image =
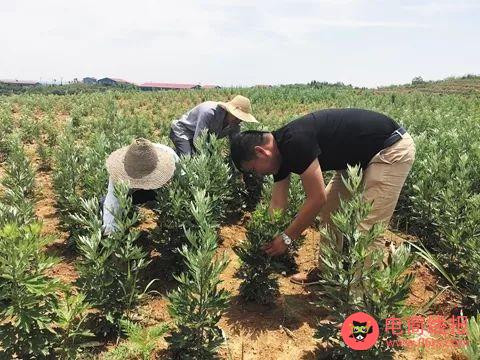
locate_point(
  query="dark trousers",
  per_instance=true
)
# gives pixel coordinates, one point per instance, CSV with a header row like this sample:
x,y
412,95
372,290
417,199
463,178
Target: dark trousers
x,y
182,147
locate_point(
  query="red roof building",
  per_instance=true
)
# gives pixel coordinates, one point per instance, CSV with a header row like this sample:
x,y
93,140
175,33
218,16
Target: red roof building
x,y
167,86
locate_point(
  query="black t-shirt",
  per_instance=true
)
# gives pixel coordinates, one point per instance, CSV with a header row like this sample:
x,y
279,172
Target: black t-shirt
x,y
337,137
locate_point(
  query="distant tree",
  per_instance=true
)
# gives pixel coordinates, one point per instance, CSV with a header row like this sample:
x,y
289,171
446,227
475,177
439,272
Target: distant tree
x,y
417,80
320,84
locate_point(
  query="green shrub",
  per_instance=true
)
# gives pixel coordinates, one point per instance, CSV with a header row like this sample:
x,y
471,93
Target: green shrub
x,y
472,350
19,181
28,297
206,170
110,266
356,277
71,327
140,343
38,316
198,303
67,177
258,269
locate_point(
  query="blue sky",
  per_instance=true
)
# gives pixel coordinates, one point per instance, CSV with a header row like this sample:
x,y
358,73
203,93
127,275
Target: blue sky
x,y
364,43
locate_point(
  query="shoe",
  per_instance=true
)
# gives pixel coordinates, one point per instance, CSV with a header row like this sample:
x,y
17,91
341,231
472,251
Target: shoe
x,y
311,277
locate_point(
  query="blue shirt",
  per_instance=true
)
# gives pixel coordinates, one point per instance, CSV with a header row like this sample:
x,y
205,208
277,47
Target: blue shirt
x,y
206,116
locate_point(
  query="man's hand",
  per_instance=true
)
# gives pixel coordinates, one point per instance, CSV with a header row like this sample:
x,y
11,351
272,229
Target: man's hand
x,y
275,248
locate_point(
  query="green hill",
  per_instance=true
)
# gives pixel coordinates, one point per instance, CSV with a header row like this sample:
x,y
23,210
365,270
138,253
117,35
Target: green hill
x,y
468,84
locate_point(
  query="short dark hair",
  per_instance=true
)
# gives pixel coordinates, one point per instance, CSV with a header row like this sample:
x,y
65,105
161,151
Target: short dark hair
x,y
242,146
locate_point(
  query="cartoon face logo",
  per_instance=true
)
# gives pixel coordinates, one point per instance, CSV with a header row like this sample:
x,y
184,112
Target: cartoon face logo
x,y
360,331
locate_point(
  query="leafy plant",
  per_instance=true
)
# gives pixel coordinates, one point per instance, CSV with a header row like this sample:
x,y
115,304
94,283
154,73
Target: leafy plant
x,y
198,303
34,320
140,343
296,194
355,276
206,170
6,127
94,177
257,269
78,173
28,297
246,190
67,177
18,182
72,334
472,350
29,129
110,266
44,154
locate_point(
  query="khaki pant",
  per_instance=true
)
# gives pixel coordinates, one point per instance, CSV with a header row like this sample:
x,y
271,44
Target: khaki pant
x,y
383,180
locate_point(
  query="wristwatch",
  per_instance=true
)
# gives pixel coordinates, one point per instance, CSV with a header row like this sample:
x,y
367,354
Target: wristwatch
x,y
286,239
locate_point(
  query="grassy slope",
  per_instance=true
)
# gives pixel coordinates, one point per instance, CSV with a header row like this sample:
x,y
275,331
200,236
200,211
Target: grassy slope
x,y
453,85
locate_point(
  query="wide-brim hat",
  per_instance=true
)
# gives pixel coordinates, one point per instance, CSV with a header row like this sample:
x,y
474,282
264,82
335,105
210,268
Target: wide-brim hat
x,y
240,107
141,165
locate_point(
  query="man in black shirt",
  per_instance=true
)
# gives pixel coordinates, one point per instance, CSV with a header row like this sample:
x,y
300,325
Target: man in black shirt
x,y
328,140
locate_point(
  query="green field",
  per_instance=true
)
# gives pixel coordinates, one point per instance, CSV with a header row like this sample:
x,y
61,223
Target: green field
x,y
52,155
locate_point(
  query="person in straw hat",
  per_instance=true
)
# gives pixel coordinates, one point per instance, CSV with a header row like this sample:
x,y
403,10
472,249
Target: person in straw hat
x,y
219,118
143,166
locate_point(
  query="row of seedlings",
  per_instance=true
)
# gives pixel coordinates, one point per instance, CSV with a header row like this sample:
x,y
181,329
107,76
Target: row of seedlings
x,y
40,316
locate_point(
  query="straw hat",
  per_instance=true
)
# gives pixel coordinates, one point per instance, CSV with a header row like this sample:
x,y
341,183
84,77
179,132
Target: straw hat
x,y
141,165
239,107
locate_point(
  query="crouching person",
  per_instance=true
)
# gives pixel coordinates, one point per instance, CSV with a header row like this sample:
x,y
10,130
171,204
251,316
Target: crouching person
x,y
144,167
328,140
220,118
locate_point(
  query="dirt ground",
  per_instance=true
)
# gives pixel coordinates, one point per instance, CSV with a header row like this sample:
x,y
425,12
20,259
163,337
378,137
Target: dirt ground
x,y
282,331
